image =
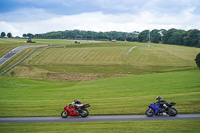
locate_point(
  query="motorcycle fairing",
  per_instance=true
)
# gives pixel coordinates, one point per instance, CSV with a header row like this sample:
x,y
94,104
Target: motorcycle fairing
x,y
156,108
72,111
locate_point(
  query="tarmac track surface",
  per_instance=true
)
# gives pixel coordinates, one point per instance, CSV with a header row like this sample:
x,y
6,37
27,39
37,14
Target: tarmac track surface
x,y
97,118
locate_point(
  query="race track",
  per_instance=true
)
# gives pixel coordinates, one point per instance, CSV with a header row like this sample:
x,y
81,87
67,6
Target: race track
x,y
96,118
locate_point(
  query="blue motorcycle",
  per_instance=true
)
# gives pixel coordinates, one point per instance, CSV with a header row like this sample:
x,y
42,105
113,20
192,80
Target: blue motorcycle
x,y
155,109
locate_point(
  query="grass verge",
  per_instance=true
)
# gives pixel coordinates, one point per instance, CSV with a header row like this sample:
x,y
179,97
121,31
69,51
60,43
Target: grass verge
x,y
122,95
175,126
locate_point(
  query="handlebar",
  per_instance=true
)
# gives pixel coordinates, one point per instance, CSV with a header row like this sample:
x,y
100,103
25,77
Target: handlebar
x,y
154,103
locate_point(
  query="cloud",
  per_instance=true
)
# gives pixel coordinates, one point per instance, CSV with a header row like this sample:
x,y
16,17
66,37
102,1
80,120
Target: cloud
x,y
6,27
118,15
97,21
65,4
26,15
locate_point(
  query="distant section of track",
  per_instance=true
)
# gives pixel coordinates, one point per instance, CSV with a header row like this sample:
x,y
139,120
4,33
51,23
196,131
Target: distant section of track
x,y
13,52
96,118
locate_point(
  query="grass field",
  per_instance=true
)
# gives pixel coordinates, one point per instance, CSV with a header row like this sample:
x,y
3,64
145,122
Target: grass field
x,y
125,85
89,60
177,126
122,95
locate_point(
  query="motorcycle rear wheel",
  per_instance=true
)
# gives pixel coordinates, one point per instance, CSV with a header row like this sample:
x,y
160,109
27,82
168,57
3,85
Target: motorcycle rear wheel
x,y
150,112
172,112
64,114
84,113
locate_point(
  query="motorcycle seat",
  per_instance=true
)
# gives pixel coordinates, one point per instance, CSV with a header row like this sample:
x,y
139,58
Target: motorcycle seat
x,y
171,104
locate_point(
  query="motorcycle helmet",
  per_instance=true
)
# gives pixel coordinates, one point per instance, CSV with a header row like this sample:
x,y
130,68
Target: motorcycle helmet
x,y
76,100
158,98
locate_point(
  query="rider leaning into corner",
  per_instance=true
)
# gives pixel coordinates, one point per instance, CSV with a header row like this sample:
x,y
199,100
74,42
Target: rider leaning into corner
x,y
163,104
77,103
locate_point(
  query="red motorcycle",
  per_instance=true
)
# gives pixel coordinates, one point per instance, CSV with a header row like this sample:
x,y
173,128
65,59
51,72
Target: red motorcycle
x,y
73,110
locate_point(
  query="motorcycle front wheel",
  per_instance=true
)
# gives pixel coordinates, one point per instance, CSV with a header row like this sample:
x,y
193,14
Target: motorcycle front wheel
x,y
84,113
150,112
172,112
64,114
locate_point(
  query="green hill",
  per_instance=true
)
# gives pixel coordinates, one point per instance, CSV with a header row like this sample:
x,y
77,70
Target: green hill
x,y
90,60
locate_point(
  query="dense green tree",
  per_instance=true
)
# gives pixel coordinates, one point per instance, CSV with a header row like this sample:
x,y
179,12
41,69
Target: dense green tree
x,y
134,39
24,35
9,35
3,34
30,35
197,60
89,37
167,35
129,39
120,38
174,36
143,36
198,45
192,38
155,36
38,36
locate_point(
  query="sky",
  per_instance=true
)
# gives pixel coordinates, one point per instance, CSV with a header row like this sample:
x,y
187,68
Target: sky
x,y
40,16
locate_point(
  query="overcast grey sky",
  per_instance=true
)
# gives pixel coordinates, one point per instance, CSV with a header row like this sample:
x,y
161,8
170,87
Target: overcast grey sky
x,y
41,16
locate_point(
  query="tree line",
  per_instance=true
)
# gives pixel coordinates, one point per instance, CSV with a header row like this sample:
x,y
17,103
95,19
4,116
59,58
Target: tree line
x,y
171,36
3,35
87,35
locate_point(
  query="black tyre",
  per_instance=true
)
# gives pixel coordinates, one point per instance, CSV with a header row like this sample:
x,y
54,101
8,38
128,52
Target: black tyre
x,y
150,112
64,114
84,113
172,112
